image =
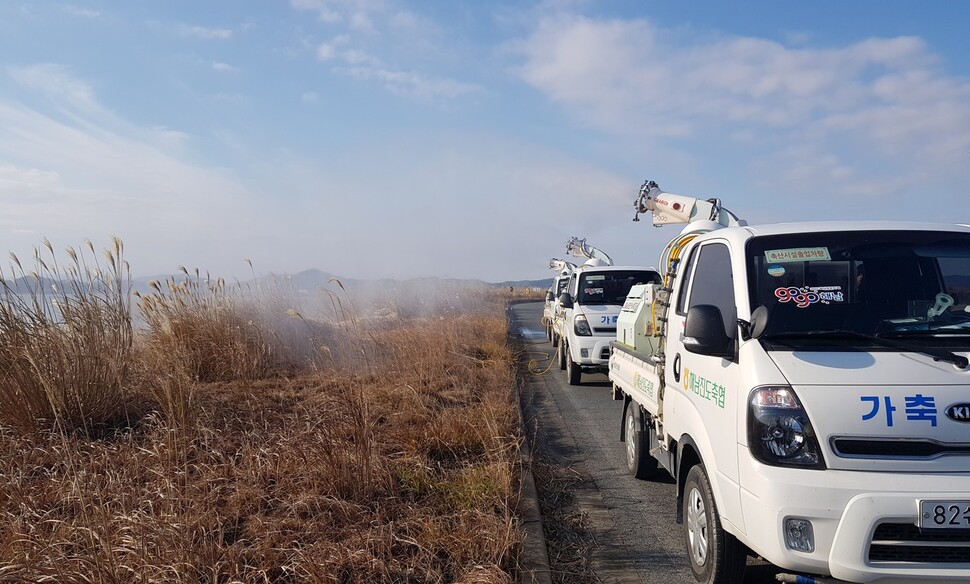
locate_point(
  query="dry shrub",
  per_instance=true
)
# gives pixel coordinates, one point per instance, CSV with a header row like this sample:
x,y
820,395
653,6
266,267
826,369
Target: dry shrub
x,y
199,330
202,329
65,340
397,467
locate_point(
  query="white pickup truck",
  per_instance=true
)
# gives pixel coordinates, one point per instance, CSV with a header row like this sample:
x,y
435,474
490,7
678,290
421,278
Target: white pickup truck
x,y
807,386
551,306
589,307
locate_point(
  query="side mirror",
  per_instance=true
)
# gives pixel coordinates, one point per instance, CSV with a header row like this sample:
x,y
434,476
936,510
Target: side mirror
x,y
550,296
704,332
565,300
754,328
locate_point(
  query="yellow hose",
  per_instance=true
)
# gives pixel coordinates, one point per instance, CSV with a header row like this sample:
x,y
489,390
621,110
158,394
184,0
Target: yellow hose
x,y
674,248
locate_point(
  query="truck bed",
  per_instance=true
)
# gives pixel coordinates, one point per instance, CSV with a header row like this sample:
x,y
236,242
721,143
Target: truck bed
x,y
635,373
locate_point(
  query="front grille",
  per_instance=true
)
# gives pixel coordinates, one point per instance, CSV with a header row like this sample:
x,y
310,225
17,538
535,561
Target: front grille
x,y
904,542
868,448
605,329
605,353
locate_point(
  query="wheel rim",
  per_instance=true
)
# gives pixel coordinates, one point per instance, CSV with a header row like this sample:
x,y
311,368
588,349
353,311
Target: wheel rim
x,y
697,527
630,437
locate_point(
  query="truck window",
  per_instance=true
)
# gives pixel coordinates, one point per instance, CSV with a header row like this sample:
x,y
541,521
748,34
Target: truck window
x,y
713,283
887,283
685,273
611,287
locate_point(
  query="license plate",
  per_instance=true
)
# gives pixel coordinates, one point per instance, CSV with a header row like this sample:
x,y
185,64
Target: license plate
x,y
944,514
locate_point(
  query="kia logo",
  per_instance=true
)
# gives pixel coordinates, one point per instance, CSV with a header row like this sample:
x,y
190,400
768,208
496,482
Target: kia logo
x,y
959,412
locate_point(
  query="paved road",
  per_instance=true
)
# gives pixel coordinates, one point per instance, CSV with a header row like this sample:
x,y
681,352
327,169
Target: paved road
x,y
629,523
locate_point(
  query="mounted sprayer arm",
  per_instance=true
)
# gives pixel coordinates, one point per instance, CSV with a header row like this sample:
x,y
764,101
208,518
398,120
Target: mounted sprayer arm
x,y
562,266
668,208
580,249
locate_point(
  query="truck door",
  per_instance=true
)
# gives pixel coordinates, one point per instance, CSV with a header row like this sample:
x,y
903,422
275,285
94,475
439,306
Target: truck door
x,y
708,385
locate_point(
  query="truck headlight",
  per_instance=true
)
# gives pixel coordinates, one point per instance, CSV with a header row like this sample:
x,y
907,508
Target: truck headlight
x,y
581,326
779,432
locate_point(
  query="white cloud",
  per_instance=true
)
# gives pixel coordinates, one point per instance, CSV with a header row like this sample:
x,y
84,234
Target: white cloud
x,y
80,11
357,57
838,113
361,21
56,82
323,9
615,72
310,97
411,84
359,15
204,33
224,67
326,52
81,172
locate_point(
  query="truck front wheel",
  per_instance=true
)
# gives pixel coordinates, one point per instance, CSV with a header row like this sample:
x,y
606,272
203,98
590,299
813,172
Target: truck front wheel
x,y
562,354
574,371
716,556
639,463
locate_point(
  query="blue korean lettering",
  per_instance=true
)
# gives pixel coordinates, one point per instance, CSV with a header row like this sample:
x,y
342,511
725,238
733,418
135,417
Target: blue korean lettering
x,y
874,400
921,407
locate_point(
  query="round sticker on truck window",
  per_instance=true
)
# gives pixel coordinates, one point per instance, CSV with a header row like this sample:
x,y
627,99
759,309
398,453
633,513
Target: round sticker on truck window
x,y
776,270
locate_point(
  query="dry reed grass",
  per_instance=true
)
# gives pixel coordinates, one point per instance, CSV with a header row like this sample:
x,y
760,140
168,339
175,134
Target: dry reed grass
x,y
391,458
203,329
65,340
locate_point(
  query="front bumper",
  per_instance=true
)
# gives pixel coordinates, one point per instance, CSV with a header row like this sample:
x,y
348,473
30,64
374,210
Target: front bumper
x,y
864,523
597,350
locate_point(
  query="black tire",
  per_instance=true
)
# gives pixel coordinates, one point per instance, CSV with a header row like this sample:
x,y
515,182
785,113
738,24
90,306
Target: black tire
x,y
639,463
562,354
574,373
548,332
716,556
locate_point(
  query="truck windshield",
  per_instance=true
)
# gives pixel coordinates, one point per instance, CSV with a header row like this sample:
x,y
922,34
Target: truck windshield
x,y
612,287
890,284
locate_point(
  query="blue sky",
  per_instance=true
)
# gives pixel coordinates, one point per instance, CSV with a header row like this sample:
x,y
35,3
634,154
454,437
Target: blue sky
x,y
382,138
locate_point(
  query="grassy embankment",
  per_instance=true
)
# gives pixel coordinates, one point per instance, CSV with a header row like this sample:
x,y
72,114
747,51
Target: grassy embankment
x,y
233,439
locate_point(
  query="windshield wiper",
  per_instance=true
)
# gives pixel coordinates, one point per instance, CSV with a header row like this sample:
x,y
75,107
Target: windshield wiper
x,y
937,354
936,332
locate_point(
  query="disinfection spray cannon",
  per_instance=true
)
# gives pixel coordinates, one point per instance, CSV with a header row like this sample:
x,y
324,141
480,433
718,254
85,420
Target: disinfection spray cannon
x,y
579,248
563,267
668,208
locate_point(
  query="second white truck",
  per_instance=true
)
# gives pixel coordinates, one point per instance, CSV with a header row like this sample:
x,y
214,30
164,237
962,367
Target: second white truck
x,y
807,386
589,307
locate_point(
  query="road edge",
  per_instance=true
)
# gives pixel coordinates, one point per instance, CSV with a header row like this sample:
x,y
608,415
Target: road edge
x,y
534,566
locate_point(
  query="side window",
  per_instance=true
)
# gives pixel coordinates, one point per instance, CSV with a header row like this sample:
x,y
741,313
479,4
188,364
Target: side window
x,y
684,277
713,283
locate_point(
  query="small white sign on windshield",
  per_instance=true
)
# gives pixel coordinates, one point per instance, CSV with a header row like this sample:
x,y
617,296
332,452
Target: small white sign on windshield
x,y
798,254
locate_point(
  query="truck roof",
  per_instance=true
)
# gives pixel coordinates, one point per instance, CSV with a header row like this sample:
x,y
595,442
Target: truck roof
x,y
821,226
584,269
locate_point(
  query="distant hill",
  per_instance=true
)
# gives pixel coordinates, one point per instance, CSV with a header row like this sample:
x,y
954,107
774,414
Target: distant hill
x,y
27,284
544,284
309,281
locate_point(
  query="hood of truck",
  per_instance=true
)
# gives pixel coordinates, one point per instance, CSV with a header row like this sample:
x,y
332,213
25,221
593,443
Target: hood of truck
x,y
602,318
883,411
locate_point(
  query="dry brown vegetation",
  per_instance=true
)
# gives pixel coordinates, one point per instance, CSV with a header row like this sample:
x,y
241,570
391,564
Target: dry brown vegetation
x,y
246,443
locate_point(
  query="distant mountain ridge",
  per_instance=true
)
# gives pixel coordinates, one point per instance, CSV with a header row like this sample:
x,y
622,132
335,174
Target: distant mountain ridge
x,y
308,280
